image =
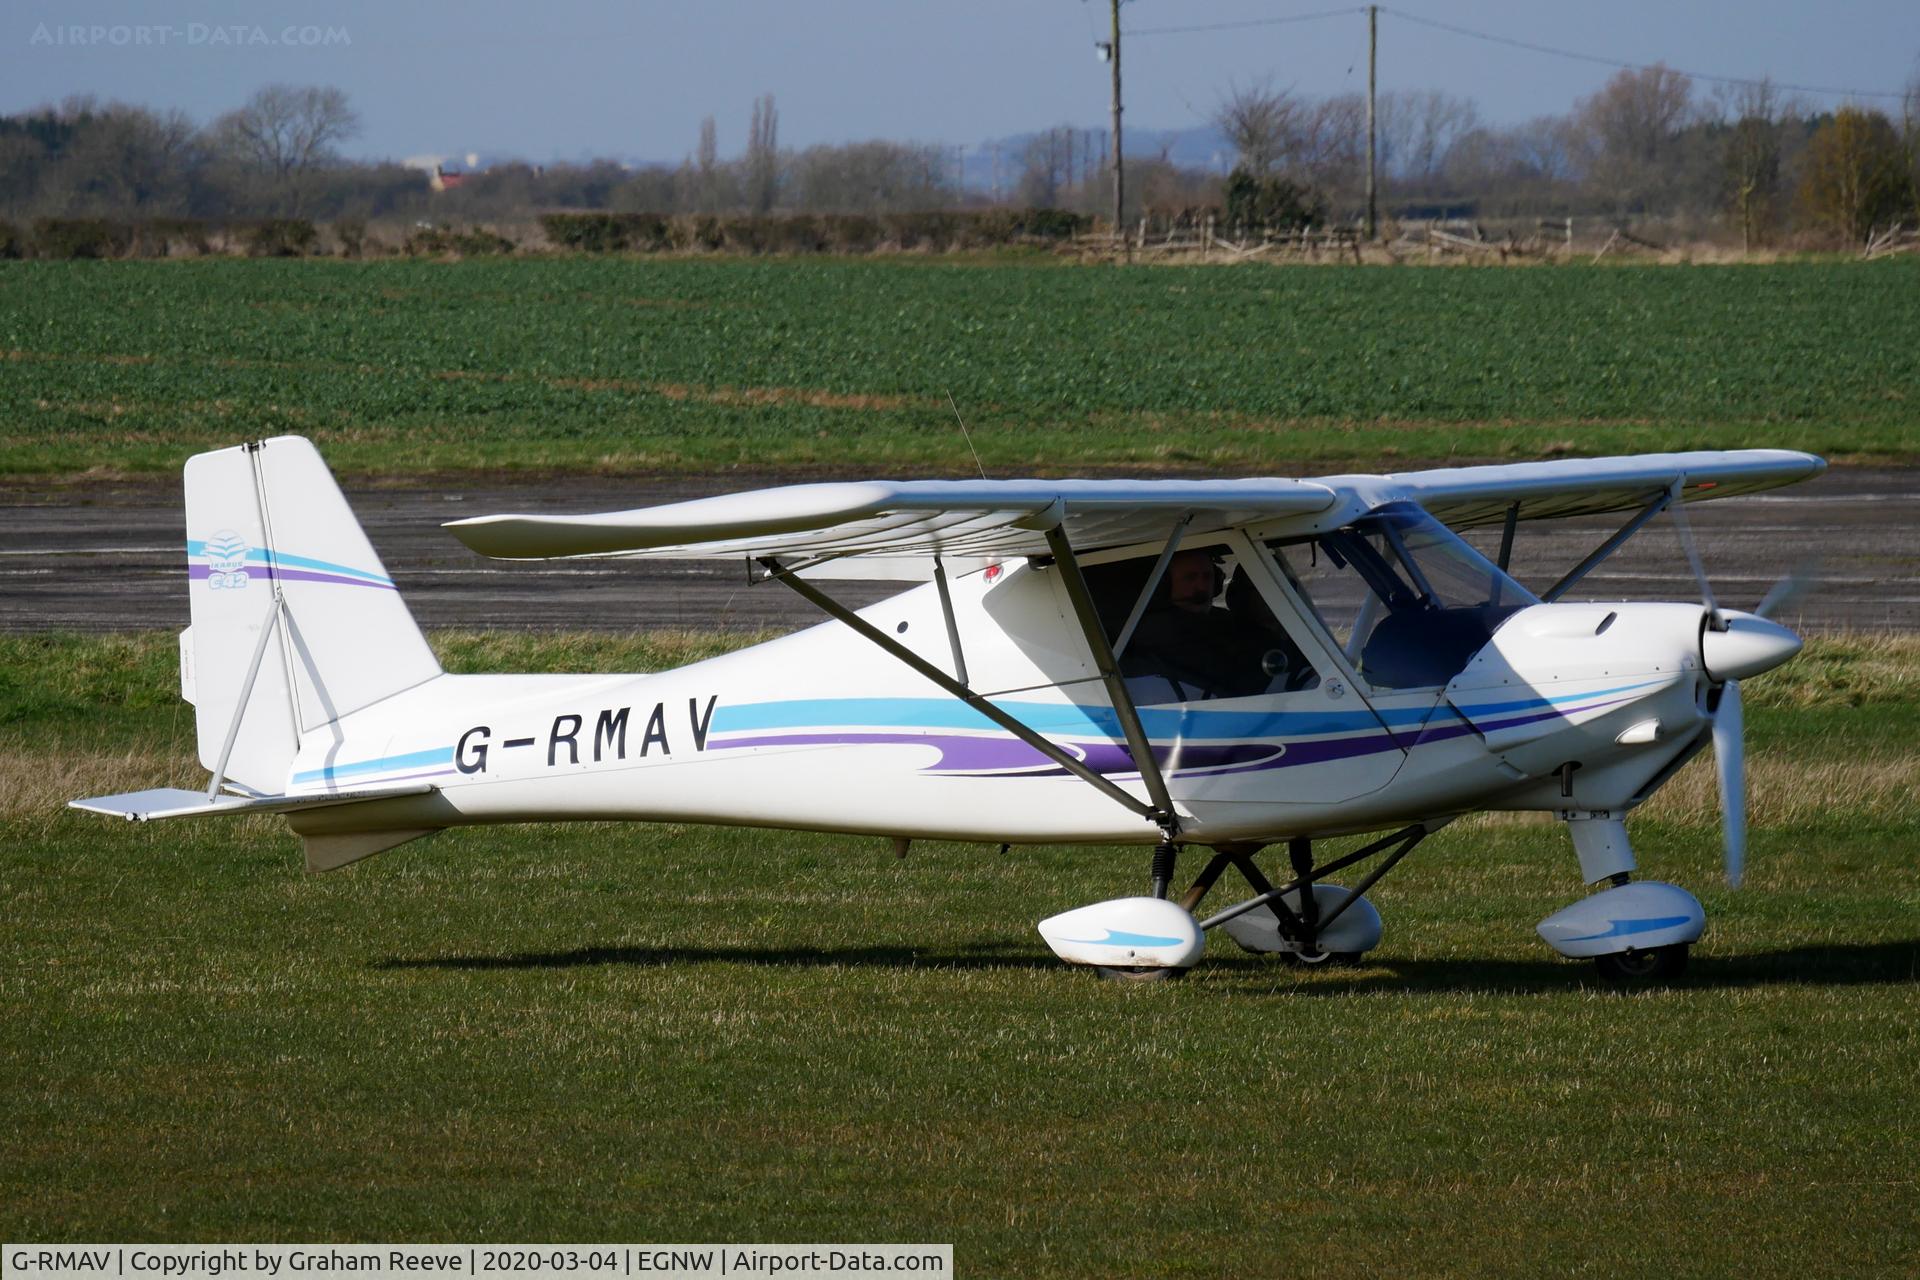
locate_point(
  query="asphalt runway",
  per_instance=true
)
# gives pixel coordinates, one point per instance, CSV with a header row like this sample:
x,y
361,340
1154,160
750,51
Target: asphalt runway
x,y
111,557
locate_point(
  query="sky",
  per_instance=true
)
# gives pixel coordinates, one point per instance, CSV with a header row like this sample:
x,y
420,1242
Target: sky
x,y
567,80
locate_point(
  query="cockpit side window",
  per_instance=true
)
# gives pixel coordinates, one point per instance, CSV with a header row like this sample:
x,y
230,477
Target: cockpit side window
x,y
1403,596
1206,631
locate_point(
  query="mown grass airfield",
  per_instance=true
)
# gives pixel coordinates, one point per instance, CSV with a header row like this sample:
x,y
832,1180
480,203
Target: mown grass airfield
x,y
699,1033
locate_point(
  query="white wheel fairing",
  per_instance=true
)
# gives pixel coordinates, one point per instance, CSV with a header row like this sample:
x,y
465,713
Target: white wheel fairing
x,y
1126,933
1641,916
1357,930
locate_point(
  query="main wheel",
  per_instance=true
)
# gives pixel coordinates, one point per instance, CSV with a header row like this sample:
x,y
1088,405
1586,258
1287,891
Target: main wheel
x,y
1114,974
1323,959
1638,968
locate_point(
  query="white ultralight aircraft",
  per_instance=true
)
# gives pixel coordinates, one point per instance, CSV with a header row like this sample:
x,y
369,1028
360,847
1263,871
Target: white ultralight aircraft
x,y
1222,663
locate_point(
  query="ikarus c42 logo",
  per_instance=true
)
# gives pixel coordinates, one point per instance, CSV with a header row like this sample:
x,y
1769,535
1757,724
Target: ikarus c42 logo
x,y
227,561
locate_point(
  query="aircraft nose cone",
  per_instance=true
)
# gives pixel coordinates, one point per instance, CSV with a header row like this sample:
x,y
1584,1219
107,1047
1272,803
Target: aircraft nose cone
x,y
1748,646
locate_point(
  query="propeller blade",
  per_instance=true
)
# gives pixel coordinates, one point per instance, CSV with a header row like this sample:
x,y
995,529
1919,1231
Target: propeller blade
x,y
1787,592
1687,544
1730,761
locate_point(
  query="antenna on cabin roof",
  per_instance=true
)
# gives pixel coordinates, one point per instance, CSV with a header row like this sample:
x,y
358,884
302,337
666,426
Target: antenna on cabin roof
x,y
965,435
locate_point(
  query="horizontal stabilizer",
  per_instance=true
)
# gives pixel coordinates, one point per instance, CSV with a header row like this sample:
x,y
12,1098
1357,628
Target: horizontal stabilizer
x,y
177,802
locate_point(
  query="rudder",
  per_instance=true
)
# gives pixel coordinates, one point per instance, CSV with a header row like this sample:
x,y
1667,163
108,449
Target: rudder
x,y
284,585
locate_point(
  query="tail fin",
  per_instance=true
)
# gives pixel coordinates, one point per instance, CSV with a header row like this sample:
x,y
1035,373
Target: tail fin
x,y
295,621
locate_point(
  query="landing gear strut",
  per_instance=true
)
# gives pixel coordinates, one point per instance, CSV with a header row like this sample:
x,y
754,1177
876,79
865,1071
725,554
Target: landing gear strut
x,y
1636,932
1150,939
1165,854
1306,920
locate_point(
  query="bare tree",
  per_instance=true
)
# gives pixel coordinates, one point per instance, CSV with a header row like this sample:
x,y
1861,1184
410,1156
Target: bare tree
x,y
1633,122
1753,156
763,156
285,132
1910,136
128,160
1261,122
871,177
1482,159
1044,177
706,166
1329,146
1549,147
1417,127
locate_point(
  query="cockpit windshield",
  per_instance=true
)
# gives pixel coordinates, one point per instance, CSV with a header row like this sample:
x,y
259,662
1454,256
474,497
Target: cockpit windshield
x,y
1404,596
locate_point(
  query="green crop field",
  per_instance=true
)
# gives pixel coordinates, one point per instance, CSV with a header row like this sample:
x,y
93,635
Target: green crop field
x,y
630,365
578,1033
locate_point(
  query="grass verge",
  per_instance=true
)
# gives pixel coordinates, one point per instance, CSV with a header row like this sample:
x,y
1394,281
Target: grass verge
x,y
681,1032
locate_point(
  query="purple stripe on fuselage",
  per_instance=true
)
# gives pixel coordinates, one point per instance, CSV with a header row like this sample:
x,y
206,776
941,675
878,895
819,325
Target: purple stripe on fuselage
x,y
962,756
294,575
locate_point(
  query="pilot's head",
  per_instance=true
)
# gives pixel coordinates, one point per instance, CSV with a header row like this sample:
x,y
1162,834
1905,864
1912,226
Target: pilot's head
x,y
1192,581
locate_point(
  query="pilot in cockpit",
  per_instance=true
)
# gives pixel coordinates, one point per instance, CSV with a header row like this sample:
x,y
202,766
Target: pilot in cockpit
x,y
1188,648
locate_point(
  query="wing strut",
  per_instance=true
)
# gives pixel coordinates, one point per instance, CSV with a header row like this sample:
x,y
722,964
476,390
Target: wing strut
x,y
1137,745
840,613
953,626
1611,545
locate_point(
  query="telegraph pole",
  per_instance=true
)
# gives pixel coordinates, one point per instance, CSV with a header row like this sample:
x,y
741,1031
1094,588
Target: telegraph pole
x,y
1373,49
1119,179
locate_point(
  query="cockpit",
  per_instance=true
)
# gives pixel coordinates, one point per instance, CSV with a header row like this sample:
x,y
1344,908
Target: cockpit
x,y
1402,598
1407,600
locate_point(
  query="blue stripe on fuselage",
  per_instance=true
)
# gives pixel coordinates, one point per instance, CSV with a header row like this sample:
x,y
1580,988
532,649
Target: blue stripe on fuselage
x,y
1060,717
411,760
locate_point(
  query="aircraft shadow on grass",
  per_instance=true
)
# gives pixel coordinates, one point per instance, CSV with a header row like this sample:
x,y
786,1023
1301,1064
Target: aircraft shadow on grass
x,y
1845,965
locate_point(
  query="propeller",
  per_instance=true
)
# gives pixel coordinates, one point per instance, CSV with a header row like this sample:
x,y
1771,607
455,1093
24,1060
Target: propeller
x,y
1730,762
1788,591
1731,647
1676,506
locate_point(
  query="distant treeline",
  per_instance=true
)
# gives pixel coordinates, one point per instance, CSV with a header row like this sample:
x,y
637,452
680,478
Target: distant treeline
x,y
936,231
1749,164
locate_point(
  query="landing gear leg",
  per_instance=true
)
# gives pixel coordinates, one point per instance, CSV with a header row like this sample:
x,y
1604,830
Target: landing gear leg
x,y
1165,854
1636,932
1300,856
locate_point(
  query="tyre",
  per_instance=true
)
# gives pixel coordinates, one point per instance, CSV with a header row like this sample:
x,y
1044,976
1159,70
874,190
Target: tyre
x,y
1114,974
1323,959
1640,968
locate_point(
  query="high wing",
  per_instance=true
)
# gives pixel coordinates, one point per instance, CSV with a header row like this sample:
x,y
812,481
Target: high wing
x,y
963,518
1465,497
893,518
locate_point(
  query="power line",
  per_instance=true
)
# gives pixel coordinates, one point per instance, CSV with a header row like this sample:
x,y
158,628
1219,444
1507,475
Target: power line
x,y
1251,22
1511,42
1629,66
